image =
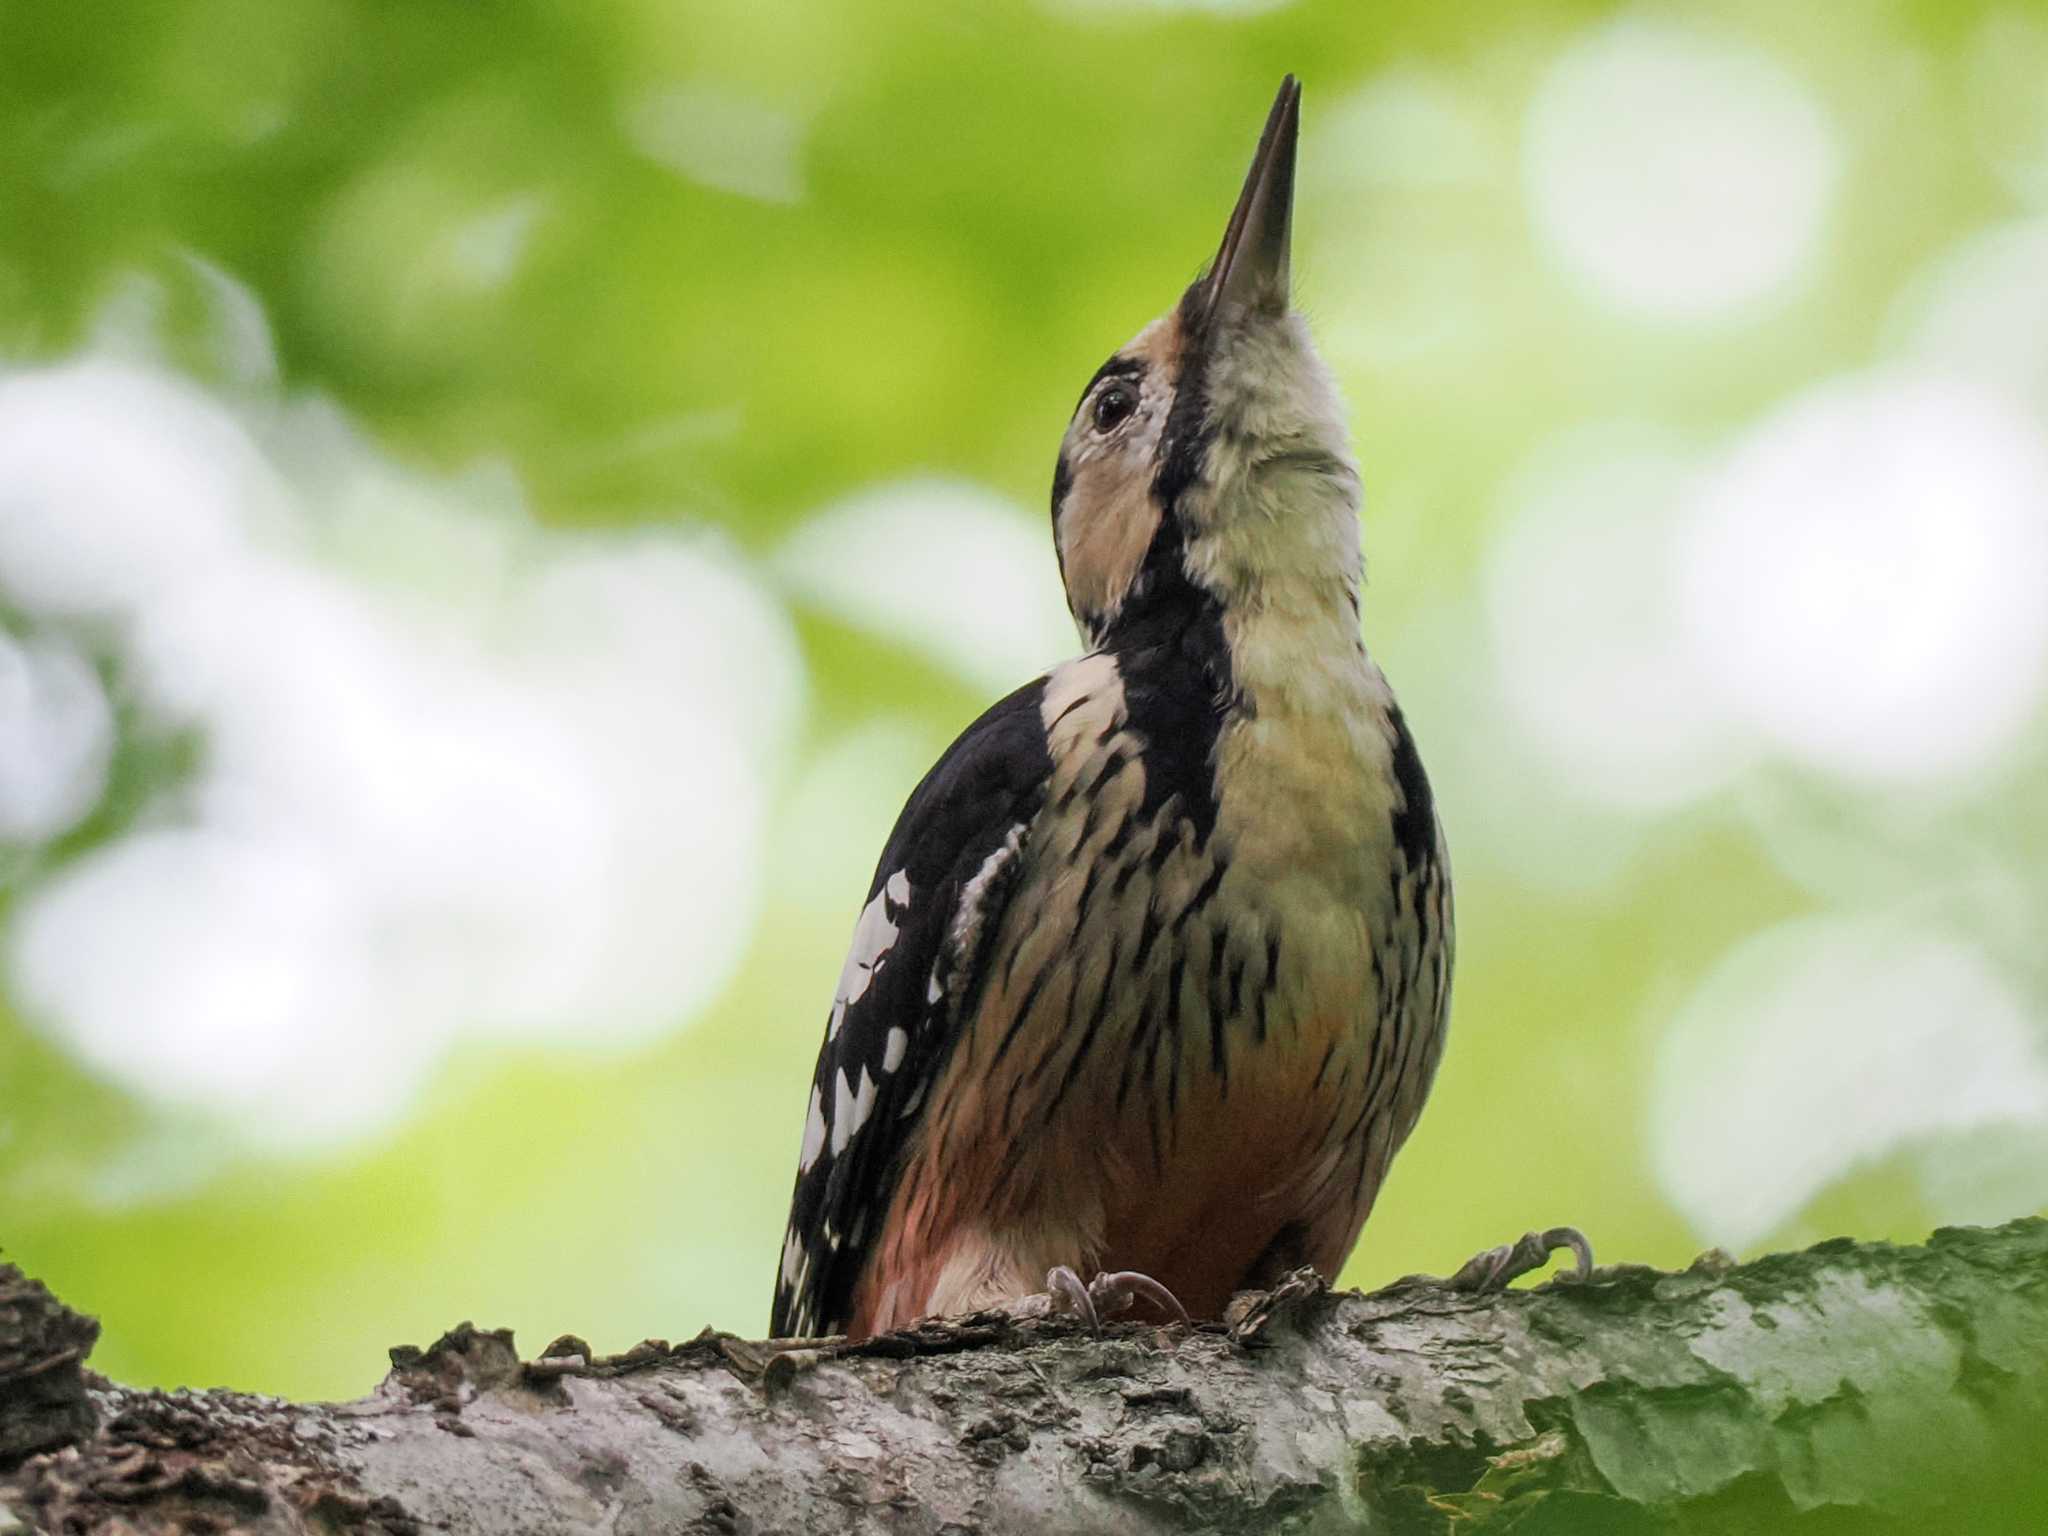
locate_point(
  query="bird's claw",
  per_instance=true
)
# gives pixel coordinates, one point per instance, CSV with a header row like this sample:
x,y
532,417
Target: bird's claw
x,y
1070,1295
1108,1295
1114,1293
1496,1267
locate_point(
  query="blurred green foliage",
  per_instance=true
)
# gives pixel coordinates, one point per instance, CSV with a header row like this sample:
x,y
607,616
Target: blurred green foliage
x,y
982,201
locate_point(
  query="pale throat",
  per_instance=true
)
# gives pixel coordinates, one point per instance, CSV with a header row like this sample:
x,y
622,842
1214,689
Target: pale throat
x,y
1300,653
1285,560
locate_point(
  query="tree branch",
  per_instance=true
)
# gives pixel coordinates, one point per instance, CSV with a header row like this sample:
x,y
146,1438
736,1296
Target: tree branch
x,y
1850,1387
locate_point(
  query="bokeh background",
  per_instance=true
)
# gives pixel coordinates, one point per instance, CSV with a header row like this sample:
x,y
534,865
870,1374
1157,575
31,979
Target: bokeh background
x,y
499,502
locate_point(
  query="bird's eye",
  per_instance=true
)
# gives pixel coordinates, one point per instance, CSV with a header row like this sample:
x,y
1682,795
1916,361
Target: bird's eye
x,y
1113,405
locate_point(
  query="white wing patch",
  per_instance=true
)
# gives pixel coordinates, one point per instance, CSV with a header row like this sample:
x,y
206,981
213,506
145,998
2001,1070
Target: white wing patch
x,y
850,1108
872,936
814,1133
793,1265
893,1049
967,919
864,1100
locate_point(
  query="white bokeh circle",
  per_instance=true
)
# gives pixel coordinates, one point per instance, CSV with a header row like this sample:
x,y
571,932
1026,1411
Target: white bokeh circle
x,y
1581,610
1980,310
1822,1045
1677,173
455,774
1863,577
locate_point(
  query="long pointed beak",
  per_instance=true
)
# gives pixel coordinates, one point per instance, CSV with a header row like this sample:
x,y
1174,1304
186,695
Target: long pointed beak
x,y
1251,265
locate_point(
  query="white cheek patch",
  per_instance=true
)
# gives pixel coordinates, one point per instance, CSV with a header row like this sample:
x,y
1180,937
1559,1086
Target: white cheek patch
x,y
872,936
814,1133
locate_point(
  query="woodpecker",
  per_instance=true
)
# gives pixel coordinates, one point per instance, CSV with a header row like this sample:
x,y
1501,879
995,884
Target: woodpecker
x,y
1153,976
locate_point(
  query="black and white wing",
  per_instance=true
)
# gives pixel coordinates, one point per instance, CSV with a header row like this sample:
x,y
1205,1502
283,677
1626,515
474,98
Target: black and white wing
x,y
892,1023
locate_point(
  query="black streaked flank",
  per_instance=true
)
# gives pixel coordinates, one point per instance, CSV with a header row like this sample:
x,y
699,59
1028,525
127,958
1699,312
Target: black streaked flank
x,y
1148,930
1086,904
1112,764
1219,950
1096,1015
1029,1001
1218,866
1121,880
1120,838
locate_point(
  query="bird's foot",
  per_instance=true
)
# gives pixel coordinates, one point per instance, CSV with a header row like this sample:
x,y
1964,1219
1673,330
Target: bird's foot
x,y
1496,1268
1116,1293
1070,1296
1108,1295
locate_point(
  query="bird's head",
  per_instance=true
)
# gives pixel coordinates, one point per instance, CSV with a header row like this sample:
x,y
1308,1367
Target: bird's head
x,y
1207,462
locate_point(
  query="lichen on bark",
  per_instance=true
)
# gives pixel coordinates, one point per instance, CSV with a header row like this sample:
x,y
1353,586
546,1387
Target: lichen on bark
x,y
1851,1387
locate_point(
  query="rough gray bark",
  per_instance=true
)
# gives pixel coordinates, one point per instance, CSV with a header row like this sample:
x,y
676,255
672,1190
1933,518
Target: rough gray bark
x,y
1853,1387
